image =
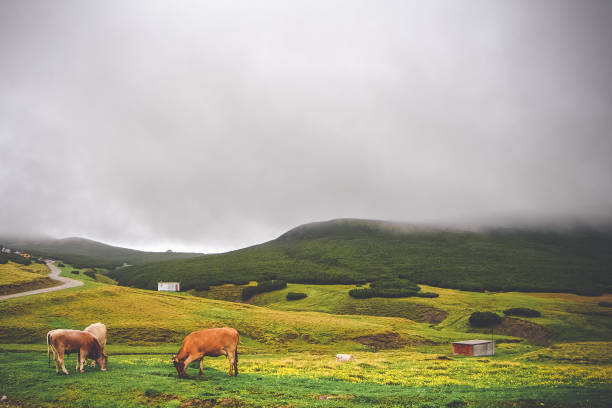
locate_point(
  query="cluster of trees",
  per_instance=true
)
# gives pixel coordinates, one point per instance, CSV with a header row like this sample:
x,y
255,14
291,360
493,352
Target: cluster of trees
x,y
261,287
390,288
522,312
5,257
484,319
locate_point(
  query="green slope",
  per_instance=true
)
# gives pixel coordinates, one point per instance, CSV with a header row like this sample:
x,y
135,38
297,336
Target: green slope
x,y
82,252
351,251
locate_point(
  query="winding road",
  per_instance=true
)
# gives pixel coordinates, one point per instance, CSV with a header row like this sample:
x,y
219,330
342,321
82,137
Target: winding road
x,y
55,272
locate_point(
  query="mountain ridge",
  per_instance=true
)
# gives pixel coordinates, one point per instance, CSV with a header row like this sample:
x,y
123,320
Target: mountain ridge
x,y
350,251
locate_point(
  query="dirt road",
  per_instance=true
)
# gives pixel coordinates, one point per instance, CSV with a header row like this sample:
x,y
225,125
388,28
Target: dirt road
x,y
55,271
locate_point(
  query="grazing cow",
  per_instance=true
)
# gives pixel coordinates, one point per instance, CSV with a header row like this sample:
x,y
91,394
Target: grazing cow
x,y
209,342
99,332
70,341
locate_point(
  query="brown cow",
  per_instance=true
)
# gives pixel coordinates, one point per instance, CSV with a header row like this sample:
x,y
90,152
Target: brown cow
x,y
99,332
209,342
70,341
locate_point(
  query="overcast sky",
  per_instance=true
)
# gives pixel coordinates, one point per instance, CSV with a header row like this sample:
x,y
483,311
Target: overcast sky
x,y
208,126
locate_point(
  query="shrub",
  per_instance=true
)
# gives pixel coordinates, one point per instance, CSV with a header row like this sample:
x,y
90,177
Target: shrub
x,y
75,271
90,273
296,295
4,258
427,295
484,319
522,311
366,293
265,286
605,304
61,265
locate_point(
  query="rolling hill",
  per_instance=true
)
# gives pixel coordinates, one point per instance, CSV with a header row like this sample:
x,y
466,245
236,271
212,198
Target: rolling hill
x,y
83,252
351,251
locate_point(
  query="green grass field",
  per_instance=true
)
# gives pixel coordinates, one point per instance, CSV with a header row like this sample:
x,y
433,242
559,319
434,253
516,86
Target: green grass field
x,y
287,350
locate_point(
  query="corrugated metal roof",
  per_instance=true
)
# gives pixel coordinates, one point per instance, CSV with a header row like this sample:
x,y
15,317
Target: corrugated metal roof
x,y
472,342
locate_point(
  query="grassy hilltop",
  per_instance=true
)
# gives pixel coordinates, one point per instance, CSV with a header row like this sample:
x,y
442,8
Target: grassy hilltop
x,y
350,251
82,252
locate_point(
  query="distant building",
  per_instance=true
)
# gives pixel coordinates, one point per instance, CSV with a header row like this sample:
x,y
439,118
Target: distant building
x,y
169,286
474,347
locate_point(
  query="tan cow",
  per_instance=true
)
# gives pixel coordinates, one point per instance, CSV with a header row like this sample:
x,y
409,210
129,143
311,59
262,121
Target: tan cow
x,y
208,342
99,332
71,341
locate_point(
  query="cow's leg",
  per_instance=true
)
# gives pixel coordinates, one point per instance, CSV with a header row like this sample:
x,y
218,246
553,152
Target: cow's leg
x,y
78,360
188,361
82,356
55,360
61,361
232,358
201,365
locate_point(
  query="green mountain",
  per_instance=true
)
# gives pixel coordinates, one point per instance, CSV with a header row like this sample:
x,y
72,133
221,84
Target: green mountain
x,y
82,252
354,251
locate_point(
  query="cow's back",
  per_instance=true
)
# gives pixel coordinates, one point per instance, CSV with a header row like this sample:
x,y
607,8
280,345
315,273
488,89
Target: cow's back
x,y
98,330
211,341
73,340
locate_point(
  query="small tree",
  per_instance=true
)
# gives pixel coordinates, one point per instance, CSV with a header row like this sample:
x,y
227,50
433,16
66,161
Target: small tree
x,y
296,295
484,319
522,311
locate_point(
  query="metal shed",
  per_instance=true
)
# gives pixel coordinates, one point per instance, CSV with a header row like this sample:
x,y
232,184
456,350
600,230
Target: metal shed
x,y
169,286
474,347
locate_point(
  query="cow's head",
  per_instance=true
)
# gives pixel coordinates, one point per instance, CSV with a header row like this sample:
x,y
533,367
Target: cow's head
x,y
179,365
102,361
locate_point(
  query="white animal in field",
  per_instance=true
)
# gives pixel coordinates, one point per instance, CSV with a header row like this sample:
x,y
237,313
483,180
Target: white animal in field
x,y
98,330
344,357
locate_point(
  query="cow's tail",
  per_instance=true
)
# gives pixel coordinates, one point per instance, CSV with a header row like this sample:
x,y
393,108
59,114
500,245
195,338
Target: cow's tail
x,y
236,362
48,341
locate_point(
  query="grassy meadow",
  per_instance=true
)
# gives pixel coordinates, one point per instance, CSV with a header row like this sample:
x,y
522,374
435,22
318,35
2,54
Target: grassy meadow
x,y
402,349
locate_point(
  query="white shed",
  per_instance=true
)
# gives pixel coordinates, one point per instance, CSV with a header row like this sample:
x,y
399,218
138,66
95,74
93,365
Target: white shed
x,y
169,286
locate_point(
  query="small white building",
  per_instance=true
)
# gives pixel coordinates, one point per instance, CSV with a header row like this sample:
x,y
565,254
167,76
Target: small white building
x,y
169,286
474,347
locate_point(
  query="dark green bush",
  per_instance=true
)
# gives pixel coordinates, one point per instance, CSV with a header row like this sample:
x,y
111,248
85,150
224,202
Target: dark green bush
x,y
366,293
296,295
265,286
605,304
61,265
90,273
484,319
75,271
522,311
427,295
4,258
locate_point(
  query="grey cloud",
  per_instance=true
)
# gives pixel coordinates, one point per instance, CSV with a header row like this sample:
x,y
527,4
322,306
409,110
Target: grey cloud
x,y
214,125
